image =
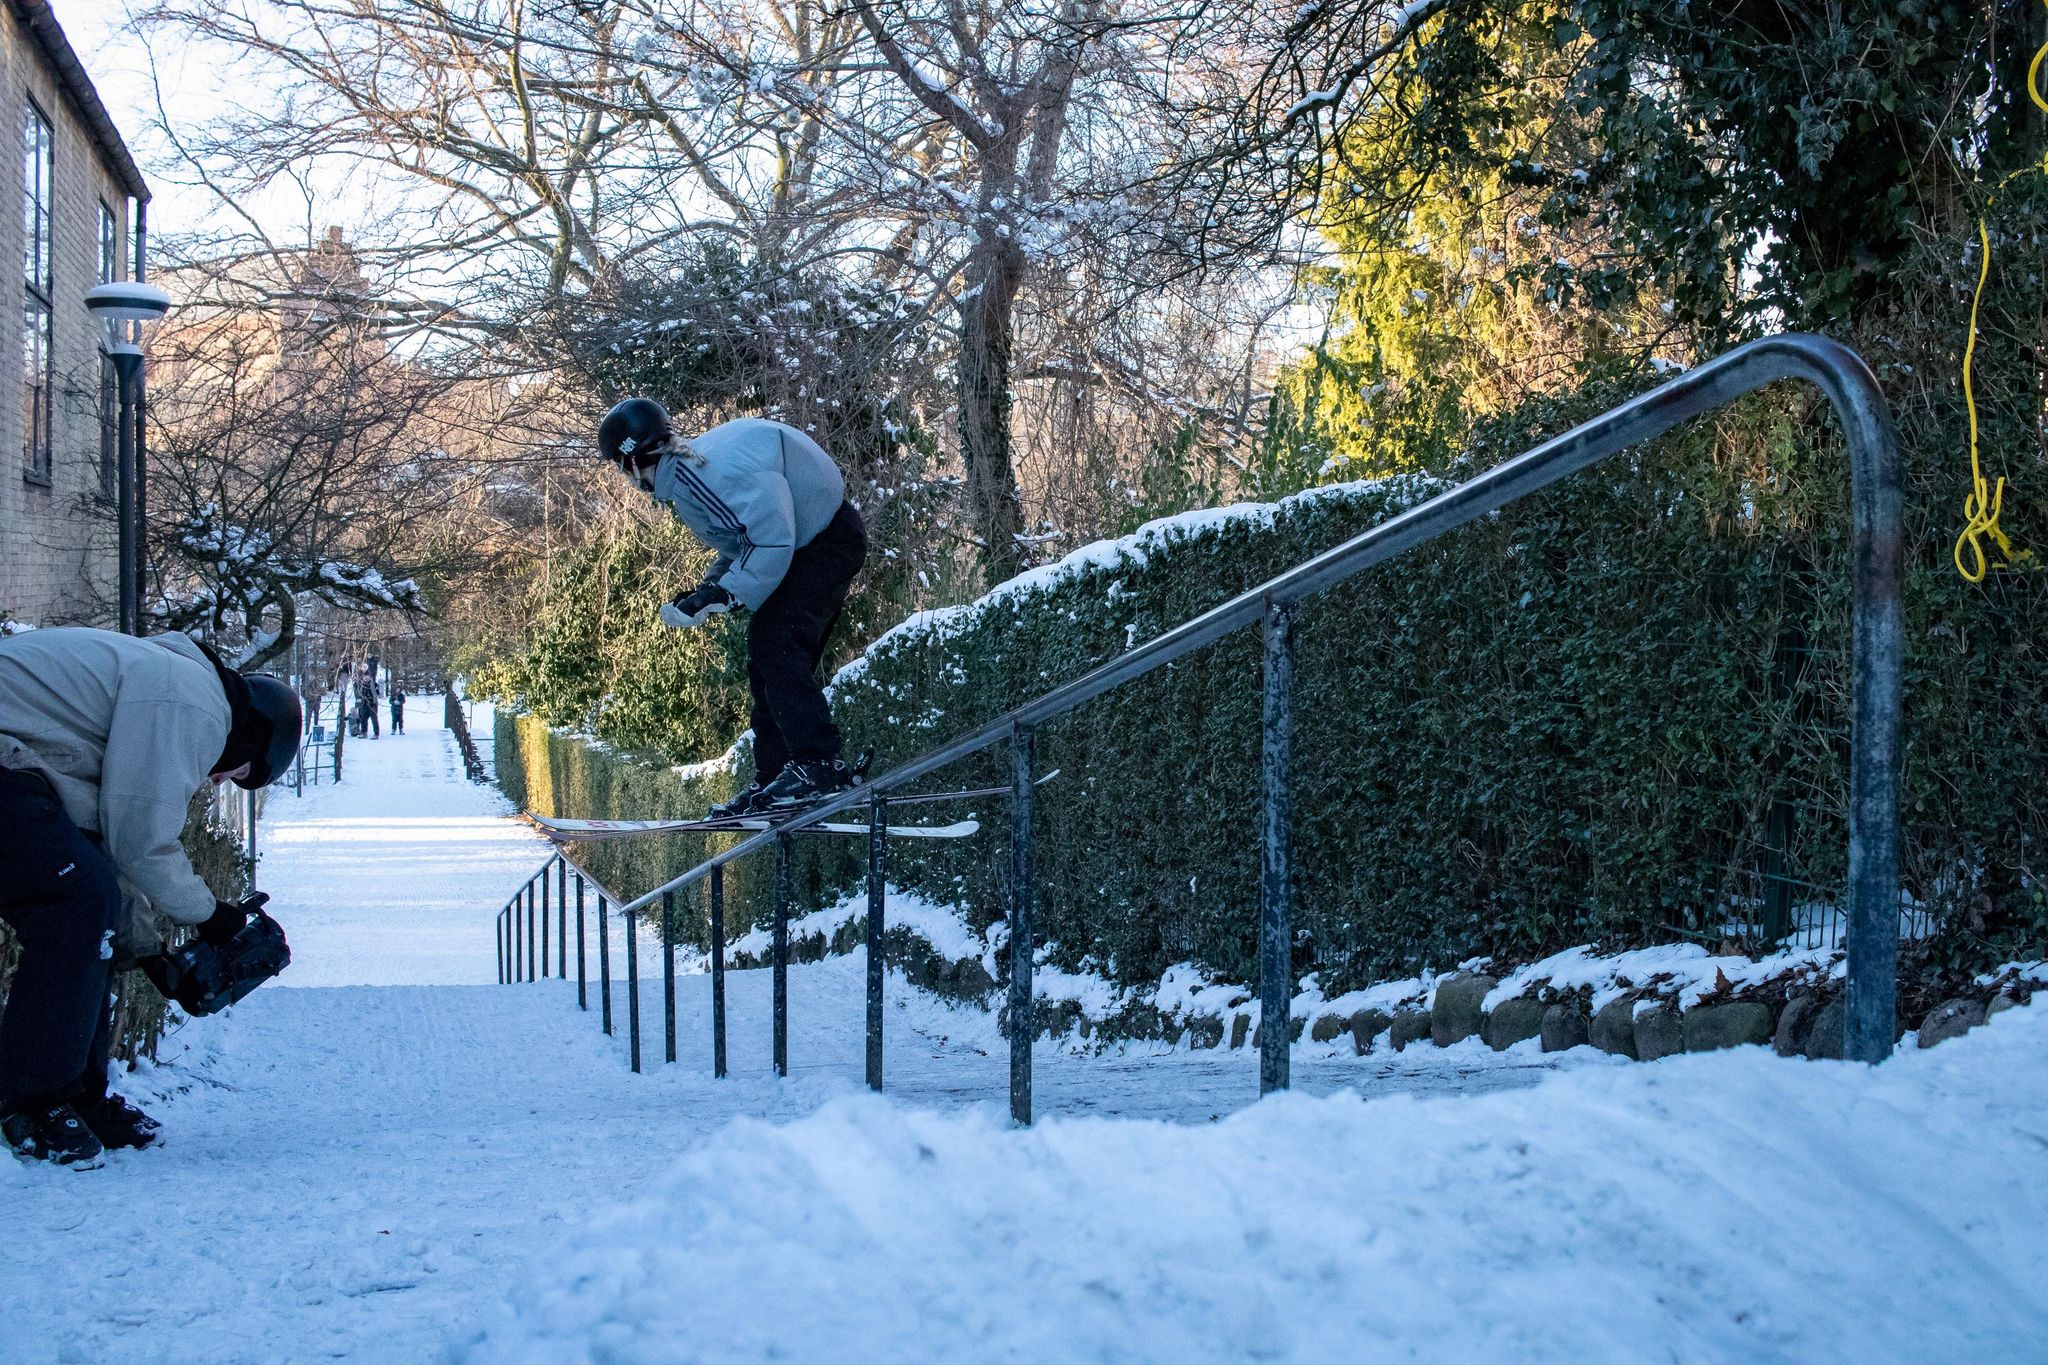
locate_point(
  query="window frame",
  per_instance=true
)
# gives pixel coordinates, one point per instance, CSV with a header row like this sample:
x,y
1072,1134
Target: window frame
x,y
39,289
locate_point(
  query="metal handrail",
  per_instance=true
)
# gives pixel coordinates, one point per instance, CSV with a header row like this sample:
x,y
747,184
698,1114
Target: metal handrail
x,y
532,938
1878,559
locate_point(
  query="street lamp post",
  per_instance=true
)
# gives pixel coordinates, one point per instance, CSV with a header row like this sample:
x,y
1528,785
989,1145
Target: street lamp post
x,y
124,308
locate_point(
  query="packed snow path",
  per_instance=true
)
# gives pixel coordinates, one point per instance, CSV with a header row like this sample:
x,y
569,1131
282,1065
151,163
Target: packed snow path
x,y
378,1158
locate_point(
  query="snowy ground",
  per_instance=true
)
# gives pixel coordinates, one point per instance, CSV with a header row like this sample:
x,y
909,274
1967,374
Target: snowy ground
x,y
390,1161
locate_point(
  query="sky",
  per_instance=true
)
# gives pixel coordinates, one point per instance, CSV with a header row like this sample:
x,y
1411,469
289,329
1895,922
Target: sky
x,y
192,89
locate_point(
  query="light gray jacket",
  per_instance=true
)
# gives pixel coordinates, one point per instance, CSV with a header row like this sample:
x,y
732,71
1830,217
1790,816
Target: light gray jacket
x,y
126,730
755,491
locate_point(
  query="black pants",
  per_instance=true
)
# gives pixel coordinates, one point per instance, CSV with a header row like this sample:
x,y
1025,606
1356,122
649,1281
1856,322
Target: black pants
x,y
63,901
786,639
397,720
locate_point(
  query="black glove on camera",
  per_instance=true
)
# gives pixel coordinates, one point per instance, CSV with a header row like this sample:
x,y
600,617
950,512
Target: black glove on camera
x,y
228,918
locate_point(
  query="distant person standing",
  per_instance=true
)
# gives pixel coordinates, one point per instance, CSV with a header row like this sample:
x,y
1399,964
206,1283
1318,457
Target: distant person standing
x,y
397,708
366,693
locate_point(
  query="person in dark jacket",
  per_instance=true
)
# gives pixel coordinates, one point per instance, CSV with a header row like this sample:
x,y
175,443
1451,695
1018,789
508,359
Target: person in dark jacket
x,y
103,740
397,708
772,506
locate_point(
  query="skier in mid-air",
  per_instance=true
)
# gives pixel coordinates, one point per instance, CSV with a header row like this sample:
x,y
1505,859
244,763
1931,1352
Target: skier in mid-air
x,y
772,505
103,740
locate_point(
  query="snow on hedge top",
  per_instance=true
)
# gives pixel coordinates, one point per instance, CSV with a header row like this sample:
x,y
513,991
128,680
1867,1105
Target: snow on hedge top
x,y
1130,552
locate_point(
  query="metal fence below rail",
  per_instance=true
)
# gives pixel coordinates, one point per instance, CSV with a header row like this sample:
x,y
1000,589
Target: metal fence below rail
x,y
1872,903
533,943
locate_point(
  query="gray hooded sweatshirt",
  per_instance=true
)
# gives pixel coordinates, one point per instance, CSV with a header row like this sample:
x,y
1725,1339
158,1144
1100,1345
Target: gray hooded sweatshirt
x,y
125,730
755,491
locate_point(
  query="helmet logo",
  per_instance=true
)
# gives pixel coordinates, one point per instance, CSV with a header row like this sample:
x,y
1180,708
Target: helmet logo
x,y
627,445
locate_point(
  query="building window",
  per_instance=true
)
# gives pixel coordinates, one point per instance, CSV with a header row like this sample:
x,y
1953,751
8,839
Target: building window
x,y
110,245
39,323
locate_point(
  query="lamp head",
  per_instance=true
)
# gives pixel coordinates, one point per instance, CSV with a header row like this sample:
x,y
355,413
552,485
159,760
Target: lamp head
x,y
123,308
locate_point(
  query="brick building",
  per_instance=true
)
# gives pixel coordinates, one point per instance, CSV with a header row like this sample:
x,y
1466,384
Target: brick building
x,y
71,216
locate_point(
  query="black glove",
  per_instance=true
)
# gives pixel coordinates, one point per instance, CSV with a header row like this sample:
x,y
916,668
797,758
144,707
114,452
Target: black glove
x,y
696,606
228,918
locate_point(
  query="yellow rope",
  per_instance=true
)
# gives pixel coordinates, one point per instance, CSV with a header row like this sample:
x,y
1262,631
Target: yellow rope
x,y
1982,506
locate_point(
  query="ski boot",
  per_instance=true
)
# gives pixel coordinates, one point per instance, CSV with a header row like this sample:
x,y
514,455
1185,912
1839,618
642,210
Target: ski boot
x,y
801,782
748,802
115,1122
52,1131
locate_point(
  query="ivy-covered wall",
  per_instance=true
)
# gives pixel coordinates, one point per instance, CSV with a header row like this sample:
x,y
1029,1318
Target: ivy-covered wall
x,y
1613,712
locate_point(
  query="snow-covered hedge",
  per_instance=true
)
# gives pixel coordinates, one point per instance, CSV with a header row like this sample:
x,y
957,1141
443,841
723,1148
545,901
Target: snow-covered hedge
x,y
1613,713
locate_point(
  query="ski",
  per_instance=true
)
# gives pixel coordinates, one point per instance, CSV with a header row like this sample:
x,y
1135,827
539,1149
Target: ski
x,y
563,830
578,831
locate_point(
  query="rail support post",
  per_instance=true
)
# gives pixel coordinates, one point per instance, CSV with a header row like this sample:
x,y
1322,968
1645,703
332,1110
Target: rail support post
x,y
782,955
545,956
878,838
500,927
718,971
1023,939
1276,859
562,917
529,932
512,922
633,986
582,971
604,961
668,972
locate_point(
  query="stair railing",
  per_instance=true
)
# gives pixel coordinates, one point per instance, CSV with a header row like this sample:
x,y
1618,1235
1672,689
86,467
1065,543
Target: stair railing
x,y
1877,555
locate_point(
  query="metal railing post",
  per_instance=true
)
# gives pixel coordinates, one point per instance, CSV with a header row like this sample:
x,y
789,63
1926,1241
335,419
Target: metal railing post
x,y
668,973
1276,863
562,916
781,955
633,985
1023,1017
582,972
512,913
878,838
499,926
545,957
718,971
530,975
604,961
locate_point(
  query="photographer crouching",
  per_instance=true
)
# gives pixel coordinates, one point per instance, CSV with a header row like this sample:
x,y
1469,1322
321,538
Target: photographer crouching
x,y
103,740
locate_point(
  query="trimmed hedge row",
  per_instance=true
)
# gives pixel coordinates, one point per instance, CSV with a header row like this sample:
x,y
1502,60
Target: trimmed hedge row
x,y
1614,712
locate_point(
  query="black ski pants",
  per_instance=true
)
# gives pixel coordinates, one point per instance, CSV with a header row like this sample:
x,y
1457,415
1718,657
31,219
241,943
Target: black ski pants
x,y
62,898
786,640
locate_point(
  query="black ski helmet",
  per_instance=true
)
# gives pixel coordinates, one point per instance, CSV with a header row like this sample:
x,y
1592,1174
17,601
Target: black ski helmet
x,y
632,431
279,705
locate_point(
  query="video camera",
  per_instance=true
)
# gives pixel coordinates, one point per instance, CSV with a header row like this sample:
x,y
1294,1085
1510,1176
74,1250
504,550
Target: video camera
x,y
205,978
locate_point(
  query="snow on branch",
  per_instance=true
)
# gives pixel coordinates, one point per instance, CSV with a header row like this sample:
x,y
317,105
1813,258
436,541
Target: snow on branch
x,y
241,570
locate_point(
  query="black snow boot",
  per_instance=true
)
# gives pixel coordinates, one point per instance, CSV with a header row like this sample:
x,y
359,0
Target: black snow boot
x,y
43,1130
115,1122
800,783
748,802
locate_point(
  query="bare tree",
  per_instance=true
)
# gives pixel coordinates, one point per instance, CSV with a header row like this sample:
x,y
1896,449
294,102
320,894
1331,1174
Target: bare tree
x,y
294,457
